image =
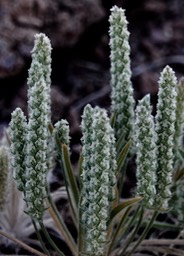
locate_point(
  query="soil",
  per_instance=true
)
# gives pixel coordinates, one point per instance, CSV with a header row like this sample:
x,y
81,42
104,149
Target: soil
x,y
80,56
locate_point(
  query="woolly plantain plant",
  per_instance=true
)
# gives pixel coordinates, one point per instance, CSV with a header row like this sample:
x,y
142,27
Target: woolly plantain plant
x,y
106,224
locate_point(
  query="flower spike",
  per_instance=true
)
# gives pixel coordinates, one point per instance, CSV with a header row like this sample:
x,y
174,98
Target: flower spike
x,y
98,179
122,91
18,136
165,130
146,152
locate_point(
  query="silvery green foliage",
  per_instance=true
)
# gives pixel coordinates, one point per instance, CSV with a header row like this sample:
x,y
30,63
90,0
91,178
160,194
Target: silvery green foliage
x,y
41,66
5,176
37,141
146,152
165,130
98,178
18,136
62,127
122,91
179,124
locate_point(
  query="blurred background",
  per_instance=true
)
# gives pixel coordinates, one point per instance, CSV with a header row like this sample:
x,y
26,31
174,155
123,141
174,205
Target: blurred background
x,y
78,31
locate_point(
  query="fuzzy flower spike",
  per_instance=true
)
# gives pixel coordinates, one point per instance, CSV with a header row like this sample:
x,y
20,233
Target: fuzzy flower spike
x,y
37,151
165,130
146,152
18,135
38,134
41,66
62,127
122,91
98,179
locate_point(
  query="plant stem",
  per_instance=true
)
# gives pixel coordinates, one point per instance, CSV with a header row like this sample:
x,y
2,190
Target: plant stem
x,y
118,229
161,225
40,238
61,226
145,232
135,230
152,242
161,250
70,182
122,176
49,239
130,223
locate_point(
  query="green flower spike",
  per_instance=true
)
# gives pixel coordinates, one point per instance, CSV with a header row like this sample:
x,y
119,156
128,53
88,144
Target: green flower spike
x,y
98,179
165,130
18,136
146,152
41,66
62,127
4,176
122,91
37,150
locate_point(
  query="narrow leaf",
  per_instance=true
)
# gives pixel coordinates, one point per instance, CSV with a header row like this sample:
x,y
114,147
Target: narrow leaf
x,y
71,178
73,188
112,119
70,182
120,142
122,206
57,218
80,164
178,174
122,156
51,128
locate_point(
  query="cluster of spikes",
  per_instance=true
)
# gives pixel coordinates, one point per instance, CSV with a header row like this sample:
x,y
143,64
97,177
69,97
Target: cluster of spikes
x,y
156,141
